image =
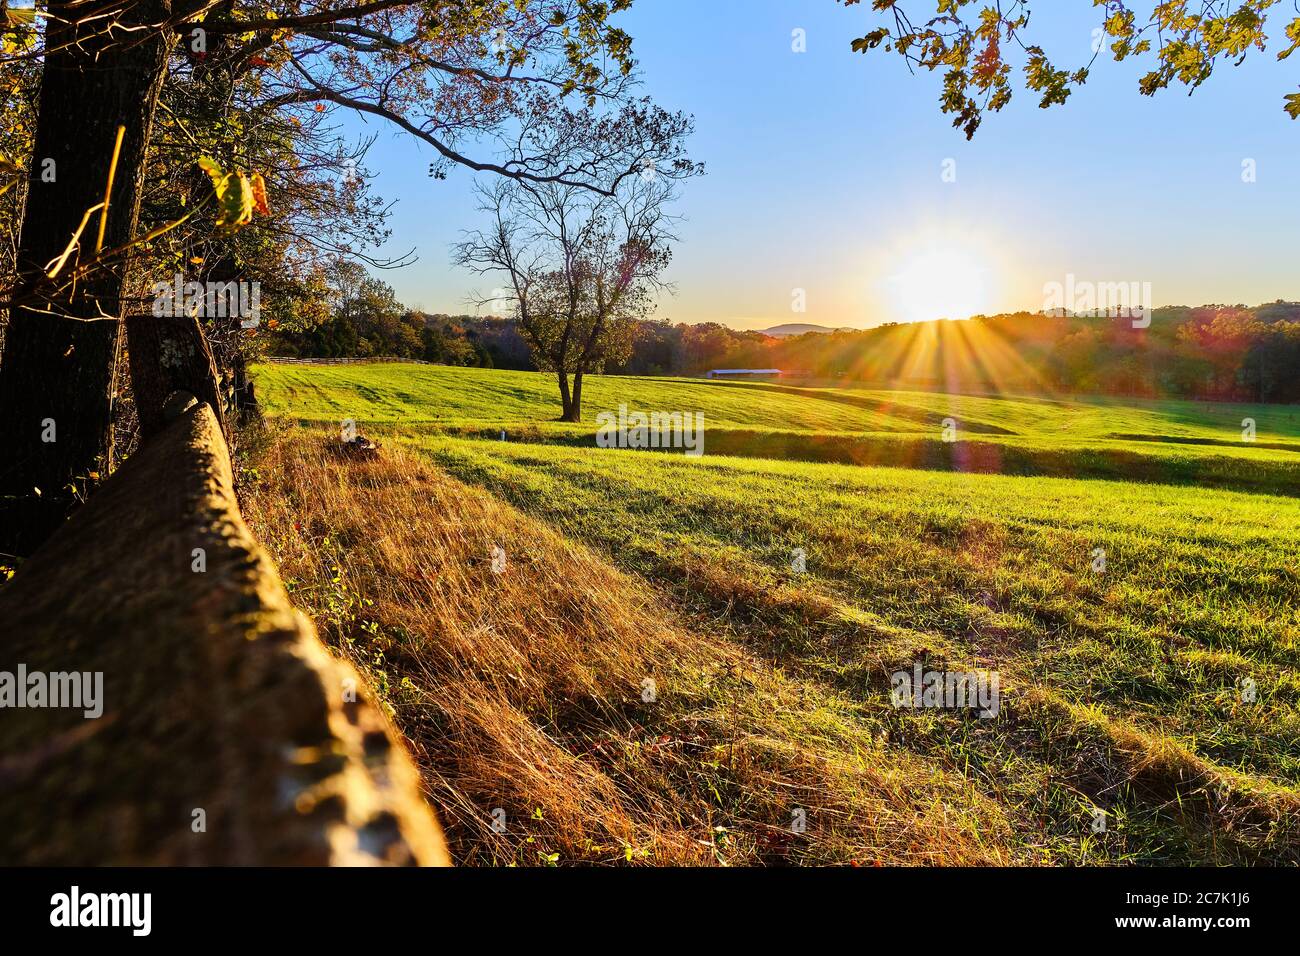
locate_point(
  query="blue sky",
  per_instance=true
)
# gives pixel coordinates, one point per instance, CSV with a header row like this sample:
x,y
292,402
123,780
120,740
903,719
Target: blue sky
x,y
824,175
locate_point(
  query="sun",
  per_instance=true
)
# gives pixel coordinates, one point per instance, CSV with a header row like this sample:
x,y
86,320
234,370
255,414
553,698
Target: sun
x,y
940,280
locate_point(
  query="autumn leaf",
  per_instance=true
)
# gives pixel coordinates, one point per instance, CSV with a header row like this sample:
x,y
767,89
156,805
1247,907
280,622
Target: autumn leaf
x,y
210,167
260,205
236,201
234,193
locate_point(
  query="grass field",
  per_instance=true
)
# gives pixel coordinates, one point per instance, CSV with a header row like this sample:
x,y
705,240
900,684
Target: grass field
x,y
1142,616
424,394
1173,442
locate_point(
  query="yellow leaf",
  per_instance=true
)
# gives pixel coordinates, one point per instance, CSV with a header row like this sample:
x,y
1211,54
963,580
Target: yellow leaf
x,y
213,170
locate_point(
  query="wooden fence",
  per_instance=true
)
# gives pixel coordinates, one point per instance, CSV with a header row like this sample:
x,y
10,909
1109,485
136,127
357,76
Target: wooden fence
x,y
162,702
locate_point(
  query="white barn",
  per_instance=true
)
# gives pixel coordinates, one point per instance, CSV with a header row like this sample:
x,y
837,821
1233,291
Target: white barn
x,y
743,372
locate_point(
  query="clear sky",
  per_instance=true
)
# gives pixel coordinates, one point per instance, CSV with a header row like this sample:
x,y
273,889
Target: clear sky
x,y
825,174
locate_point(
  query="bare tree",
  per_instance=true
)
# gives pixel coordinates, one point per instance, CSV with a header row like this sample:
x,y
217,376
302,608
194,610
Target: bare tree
x,y
581,267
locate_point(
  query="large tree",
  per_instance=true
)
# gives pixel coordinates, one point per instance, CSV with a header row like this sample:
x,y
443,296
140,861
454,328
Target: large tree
x,y
476,80
60,356
975,43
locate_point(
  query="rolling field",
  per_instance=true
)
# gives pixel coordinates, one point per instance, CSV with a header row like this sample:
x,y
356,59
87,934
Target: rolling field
x,y
1143,626
424,394
1173,442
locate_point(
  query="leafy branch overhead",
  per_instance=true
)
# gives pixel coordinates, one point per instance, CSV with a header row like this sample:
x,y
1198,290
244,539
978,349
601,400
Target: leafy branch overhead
x,y
972,41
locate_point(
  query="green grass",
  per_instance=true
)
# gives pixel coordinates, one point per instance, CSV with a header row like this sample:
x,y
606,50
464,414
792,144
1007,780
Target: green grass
x,y
397,392
1090,419
988,568
1124,689
457,397
1172,442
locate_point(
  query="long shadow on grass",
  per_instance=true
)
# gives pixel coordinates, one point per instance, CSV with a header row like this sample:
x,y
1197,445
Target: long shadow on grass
x,y
1227,472
908,412
1048,761
1213,442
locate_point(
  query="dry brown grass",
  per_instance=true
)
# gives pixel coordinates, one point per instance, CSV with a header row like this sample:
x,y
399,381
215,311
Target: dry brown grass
x,y
523,690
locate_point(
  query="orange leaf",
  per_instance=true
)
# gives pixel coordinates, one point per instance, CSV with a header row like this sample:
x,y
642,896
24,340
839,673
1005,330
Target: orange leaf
x,y
260,205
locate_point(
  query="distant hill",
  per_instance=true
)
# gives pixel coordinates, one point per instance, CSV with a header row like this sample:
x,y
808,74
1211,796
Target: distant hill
x,y
799,328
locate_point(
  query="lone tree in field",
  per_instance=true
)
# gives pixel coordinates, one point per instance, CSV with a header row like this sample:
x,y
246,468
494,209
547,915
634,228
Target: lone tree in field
x,y
458,75
968,40
582,268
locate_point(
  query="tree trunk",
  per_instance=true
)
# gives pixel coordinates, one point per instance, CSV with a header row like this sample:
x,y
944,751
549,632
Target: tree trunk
x,y
62,368
575,403
245,407
566,400
171,355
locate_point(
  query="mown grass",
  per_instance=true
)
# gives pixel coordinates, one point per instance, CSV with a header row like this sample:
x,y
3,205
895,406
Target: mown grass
x,y
1162,690
1197,602
1171,442
409,393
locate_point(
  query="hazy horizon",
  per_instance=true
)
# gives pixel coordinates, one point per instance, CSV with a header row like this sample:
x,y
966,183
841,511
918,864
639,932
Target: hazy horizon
x,y
762,325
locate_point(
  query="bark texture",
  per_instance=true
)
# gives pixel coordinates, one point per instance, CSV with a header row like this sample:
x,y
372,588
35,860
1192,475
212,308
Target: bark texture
x,y
170,355
60,357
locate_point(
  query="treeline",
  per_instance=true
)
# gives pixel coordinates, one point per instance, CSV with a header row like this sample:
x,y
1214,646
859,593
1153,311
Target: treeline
x,y
1225,353
442,339
360,316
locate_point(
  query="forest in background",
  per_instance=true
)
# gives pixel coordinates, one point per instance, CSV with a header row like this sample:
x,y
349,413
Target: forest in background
x,y
1213,352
